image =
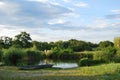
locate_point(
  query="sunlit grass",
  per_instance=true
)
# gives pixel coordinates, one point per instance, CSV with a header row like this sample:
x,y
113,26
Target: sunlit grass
x,y
99,72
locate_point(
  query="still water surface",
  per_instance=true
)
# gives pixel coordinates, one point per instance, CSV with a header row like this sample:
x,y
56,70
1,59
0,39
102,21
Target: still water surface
x,y
61,64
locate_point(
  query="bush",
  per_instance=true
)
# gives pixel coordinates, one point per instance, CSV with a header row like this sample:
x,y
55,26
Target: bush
x,y
117,57
85,55
0,55
34,56
13,56
89,62
99,56
107,55
58,53
85,62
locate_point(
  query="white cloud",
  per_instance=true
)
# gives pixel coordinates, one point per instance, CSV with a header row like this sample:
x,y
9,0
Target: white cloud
x,y
46,1
117,11
43,1
99,23
29,13
8,8
56,21
66,1
81,4
1,4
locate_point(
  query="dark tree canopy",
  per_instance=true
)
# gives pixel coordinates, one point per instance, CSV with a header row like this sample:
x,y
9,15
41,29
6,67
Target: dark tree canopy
x,y
104,44
5,42
23,40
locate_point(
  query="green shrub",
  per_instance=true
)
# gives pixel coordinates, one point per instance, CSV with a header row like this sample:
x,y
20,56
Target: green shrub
x,y
13,56
0,55
85,55
85,62
99,56
107,55
117,57
58,53
89,62
34,56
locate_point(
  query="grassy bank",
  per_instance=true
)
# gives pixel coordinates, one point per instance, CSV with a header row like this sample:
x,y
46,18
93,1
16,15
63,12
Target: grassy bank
x,y
101,72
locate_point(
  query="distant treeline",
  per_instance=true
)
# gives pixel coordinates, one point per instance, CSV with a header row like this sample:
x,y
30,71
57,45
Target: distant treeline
x,y
23,40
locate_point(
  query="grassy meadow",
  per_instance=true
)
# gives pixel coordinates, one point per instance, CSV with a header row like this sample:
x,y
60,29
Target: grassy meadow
x,y
109,71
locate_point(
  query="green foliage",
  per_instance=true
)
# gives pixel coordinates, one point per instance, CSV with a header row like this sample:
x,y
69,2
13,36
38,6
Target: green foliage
x,y
107,55
117,56
98,55
58,53
85,62
1,55
77,45
117,42
89,62
13,56
41,45
5,42
85,55
33,56
23,40
104,44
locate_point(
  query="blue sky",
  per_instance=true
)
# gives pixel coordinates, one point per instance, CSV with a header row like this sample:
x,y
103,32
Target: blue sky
x,y
53,20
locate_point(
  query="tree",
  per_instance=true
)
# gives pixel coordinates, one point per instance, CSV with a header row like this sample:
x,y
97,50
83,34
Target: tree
x,y
77,45
23,40
117,42
41,45
104,44
59,44
5,42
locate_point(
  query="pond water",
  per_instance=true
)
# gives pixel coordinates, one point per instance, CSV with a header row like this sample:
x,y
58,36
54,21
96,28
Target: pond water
x,y
65,65
61,64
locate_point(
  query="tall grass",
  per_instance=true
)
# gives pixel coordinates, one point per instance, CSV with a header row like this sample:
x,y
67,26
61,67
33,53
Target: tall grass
x,y
13,56
33,57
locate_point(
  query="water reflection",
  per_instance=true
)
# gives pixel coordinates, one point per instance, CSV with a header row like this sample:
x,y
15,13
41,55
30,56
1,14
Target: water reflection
x,y
65,65
60,63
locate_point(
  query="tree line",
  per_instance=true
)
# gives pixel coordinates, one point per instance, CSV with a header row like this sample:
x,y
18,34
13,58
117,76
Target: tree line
x,y
23,40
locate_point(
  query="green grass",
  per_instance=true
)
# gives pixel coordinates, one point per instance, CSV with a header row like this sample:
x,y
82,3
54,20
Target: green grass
x,y
100,72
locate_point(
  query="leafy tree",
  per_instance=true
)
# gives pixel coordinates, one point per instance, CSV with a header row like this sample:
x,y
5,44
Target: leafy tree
x,y
5,42
77,45
41,45
59,44
104,44
23,40
117,42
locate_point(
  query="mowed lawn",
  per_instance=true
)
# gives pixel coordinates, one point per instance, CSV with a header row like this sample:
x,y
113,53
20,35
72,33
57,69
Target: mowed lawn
x,y
100,72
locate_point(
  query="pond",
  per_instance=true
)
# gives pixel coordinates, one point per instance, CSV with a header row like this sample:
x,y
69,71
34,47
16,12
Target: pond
x,y
61,64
